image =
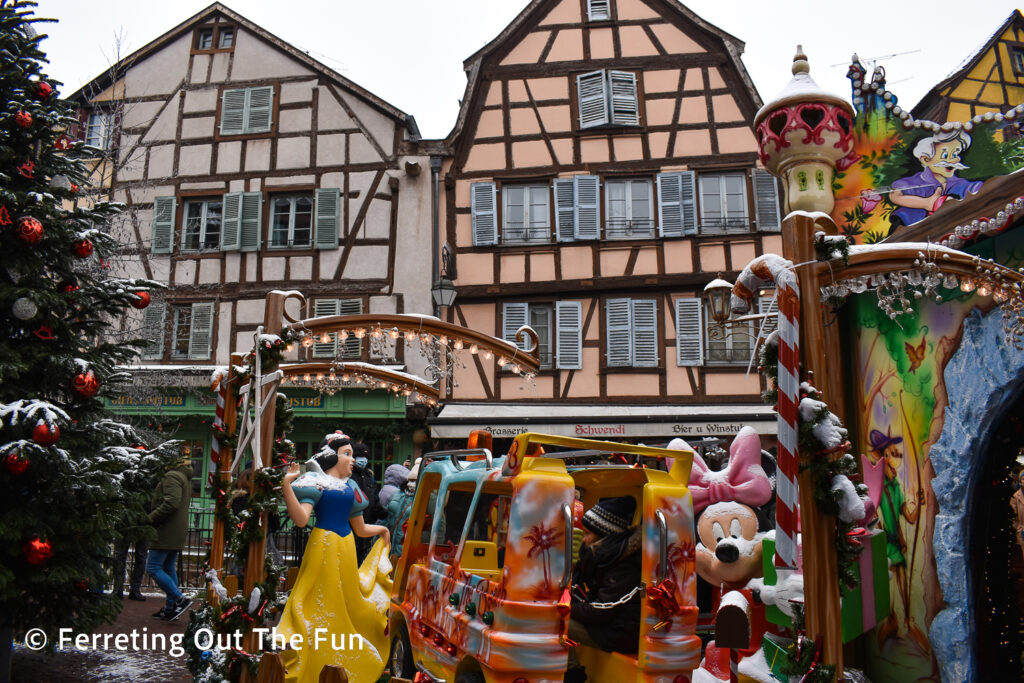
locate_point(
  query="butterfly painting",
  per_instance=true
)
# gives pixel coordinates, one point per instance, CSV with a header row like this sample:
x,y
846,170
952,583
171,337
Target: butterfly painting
x,y
916,353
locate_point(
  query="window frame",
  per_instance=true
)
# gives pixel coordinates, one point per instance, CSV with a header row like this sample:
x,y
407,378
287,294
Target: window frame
x,y
106,125
205,202
1016,59
727,344
609,84
292,212
216,31
607,11
544,235
707,226
628,201
247,127
176,327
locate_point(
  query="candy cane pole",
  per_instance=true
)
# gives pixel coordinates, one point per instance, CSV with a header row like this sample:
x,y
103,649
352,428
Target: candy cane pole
x,y
760,271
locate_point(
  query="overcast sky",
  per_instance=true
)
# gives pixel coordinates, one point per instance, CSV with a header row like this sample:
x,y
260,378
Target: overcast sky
x,y
410,52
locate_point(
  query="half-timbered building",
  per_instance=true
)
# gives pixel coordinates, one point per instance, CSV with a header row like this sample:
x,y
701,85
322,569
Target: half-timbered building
x,y
248,166
990,81
603,171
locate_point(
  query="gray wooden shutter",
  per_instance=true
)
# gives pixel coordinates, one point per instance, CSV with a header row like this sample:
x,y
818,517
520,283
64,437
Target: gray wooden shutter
x,y
625,109
513,316
767,304
618,314
259,109
688,202
645,333
321,308
588,212
670,210
153,331
232,112
163,225
328,200
766,200
592,99
597,10
483,204
352,348
689,332
565,209
569,332
249,222
232,216
200,338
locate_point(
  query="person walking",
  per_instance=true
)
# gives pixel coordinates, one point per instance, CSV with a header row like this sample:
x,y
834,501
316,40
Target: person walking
x,y
362,474
170,517
132,535
394,480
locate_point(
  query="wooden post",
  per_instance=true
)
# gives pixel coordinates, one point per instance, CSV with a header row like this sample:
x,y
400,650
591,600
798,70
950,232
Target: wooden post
x,y
273,316
223,480
821,355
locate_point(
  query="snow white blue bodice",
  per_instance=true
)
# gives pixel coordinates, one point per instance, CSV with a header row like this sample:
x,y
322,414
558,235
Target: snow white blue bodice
x,y
334,501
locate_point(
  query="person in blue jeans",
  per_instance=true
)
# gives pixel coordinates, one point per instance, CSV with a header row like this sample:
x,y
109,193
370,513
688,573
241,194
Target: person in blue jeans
x,y
170,517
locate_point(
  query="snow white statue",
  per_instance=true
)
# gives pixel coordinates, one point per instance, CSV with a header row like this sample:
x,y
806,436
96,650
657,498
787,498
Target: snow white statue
x,y
331,591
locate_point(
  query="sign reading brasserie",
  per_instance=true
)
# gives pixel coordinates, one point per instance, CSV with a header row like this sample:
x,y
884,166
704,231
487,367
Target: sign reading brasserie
x,y
610,430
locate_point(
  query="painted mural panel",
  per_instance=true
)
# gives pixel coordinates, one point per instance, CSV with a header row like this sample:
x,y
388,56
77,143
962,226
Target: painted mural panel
x,y
902,170
902,369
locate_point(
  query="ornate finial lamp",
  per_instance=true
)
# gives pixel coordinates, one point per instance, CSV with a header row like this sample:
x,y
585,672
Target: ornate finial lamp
x,y
803,135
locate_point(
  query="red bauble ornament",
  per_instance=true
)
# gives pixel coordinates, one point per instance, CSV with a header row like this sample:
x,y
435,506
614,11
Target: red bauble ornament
x,y
44,435
82,585
85,384
67,286
43,90
37,551
143,300
16,463
82,248
29,230
23,119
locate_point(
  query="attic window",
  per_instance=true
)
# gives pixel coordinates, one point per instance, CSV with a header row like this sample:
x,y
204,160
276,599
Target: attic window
x,y
599,10
214,38
1017,57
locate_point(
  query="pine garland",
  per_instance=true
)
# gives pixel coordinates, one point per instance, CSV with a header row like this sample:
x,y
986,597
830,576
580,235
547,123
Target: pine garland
x,y
237,614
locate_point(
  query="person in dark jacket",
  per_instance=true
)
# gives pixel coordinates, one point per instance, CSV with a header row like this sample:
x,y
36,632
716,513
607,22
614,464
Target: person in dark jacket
x,y
362,474
170,517
608,572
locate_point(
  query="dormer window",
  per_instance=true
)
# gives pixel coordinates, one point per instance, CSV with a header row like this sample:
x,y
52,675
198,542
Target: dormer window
x,y
607,98
204,40
226,38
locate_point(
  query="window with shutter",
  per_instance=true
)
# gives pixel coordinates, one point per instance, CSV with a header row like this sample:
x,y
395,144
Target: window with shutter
x,y
592,98
153,331
325,349
588,214
565,209
202,225
645,333
247,110
569,331
618,314
163,225
181,331
628,209
624,106
689,332
598,10
352,348
670,216
328,200
201,333
259,109
766,200
232,112
688,202
769,305
483,202
249,221
291,221
513,316
526,216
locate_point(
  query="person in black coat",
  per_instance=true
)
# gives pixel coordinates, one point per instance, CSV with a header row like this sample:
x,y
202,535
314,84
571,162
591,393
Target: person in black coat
x,y
608,570
362,474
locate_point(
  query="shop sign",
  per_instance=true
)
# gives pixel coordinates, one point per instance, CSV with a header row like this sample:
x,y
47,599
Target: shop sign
x,y
604,430
154,401
305,401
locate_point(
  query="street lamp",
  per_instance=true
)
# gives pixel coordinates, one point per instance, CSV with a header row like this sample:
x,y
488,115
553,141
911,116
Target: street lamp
x,y
443,292
716,295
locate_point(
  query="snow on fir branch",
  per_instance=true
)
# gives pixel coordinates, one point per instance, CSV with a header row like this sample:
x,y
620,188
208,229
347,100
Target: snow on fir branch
x,y
32,410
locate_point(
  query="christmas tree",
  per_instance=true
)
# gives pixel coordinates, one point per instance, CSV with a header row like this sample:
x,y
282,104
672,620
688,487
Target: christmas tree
x,y
71,474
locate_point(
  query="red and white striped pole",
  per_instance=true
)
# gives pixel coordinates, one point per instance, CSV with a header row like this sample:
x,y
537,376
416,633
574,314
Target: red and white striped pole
x,y
760,271
220,386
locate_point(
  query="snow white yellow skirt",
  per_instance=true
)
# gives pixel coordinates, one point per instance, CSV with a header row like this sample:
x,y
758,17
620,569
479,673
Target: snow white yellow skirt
x,y
332,604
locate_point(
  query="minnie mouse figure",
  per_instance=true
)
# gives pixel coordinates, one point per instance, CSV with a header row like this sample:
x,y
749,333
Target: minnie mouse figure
x,y
735,509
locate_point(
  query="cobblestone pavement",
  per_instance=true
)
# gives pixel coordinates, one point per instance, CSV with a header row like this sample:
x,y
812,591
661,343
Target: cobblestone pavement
x,y
155,665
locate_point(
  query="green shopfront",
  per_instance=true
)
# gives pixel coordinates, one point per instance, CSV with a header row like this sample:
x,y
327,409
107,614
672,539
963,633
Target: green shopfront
x,y
377,418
